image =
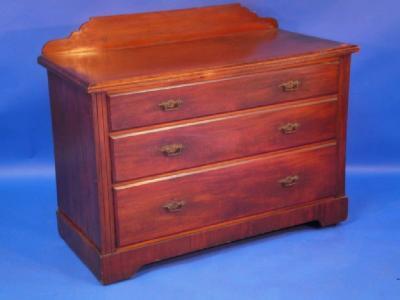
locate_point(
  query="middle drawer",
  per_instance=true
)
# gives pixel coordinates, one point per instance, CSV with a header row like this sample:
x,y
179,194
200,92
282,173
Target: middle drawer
x,y
159,149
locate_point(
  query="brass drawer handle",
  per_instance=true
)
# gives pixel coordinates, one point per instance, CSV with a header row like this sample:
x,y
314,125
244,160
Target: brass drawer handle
x,y
174,206
169,105
289,128
290,86
172,150
289,181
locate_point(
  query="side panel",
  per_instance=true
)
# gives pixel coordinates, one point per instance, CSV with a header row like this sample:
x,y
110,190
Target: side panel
x,y
75,156
344,81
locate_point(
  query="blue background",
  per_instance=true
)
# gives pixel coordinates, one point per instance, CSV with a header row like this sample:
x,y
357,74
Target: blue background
x,y
359,259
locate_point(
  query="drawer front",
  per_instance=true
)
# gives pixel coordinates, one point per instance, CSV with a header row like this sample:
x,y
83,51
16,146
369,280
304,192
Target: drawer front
x,y
169,205
167,149
154,107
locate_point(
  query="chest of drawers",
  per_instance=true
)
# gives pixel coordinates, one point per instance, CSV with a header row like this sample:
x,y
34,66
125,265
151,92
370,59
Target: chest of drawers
x,y
182,130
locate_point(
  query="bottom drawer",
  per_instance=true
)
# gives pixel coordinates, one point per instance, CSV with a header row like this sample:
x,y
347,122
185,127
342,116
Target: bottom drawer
x,y
162,206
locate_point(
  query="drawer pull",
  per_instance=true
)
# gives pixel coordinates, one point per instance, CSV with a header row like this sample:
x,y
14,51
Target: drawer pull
x,y
289,128
289,181
174,206
169,105
172,150
290,86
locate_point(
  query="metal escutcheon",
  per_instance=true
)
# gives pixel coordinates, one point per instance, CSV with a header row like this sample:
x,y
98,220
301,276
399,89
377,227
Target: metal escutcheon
x,y
289,181
174,206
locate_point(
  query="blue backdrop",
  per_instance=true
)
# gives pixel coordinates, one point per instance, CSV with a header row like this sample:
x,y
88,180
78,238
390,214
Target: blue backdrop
x,y
356,259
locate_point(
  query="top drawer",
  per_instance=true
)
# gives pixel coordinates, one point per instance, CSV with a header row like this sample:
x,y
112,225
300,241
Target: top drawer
x,y
178,103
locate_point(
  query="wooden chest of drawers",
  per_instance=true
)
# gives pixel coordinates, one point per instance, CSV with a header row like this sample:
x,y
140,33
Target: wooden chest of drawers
x,y
182,130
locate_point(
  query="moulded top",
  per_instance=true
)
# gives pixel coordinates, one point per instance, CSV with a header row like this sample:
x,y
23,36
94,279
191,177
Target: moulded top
x,y
112,52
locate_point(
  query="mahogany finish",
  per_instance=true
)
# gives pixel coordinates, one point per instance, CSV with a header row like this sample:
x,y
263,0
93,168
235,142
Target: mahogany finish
x,y
140,206
181,130
232,94
75,159
138,153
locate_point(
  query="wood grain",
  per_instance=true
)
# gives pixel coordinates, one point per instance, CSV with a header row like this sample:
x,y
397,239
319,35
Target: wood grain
x,y
75,156
141,109
214,55
239,79
342,122
103,170
213,196
206,140
124,262
146,29
162,46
